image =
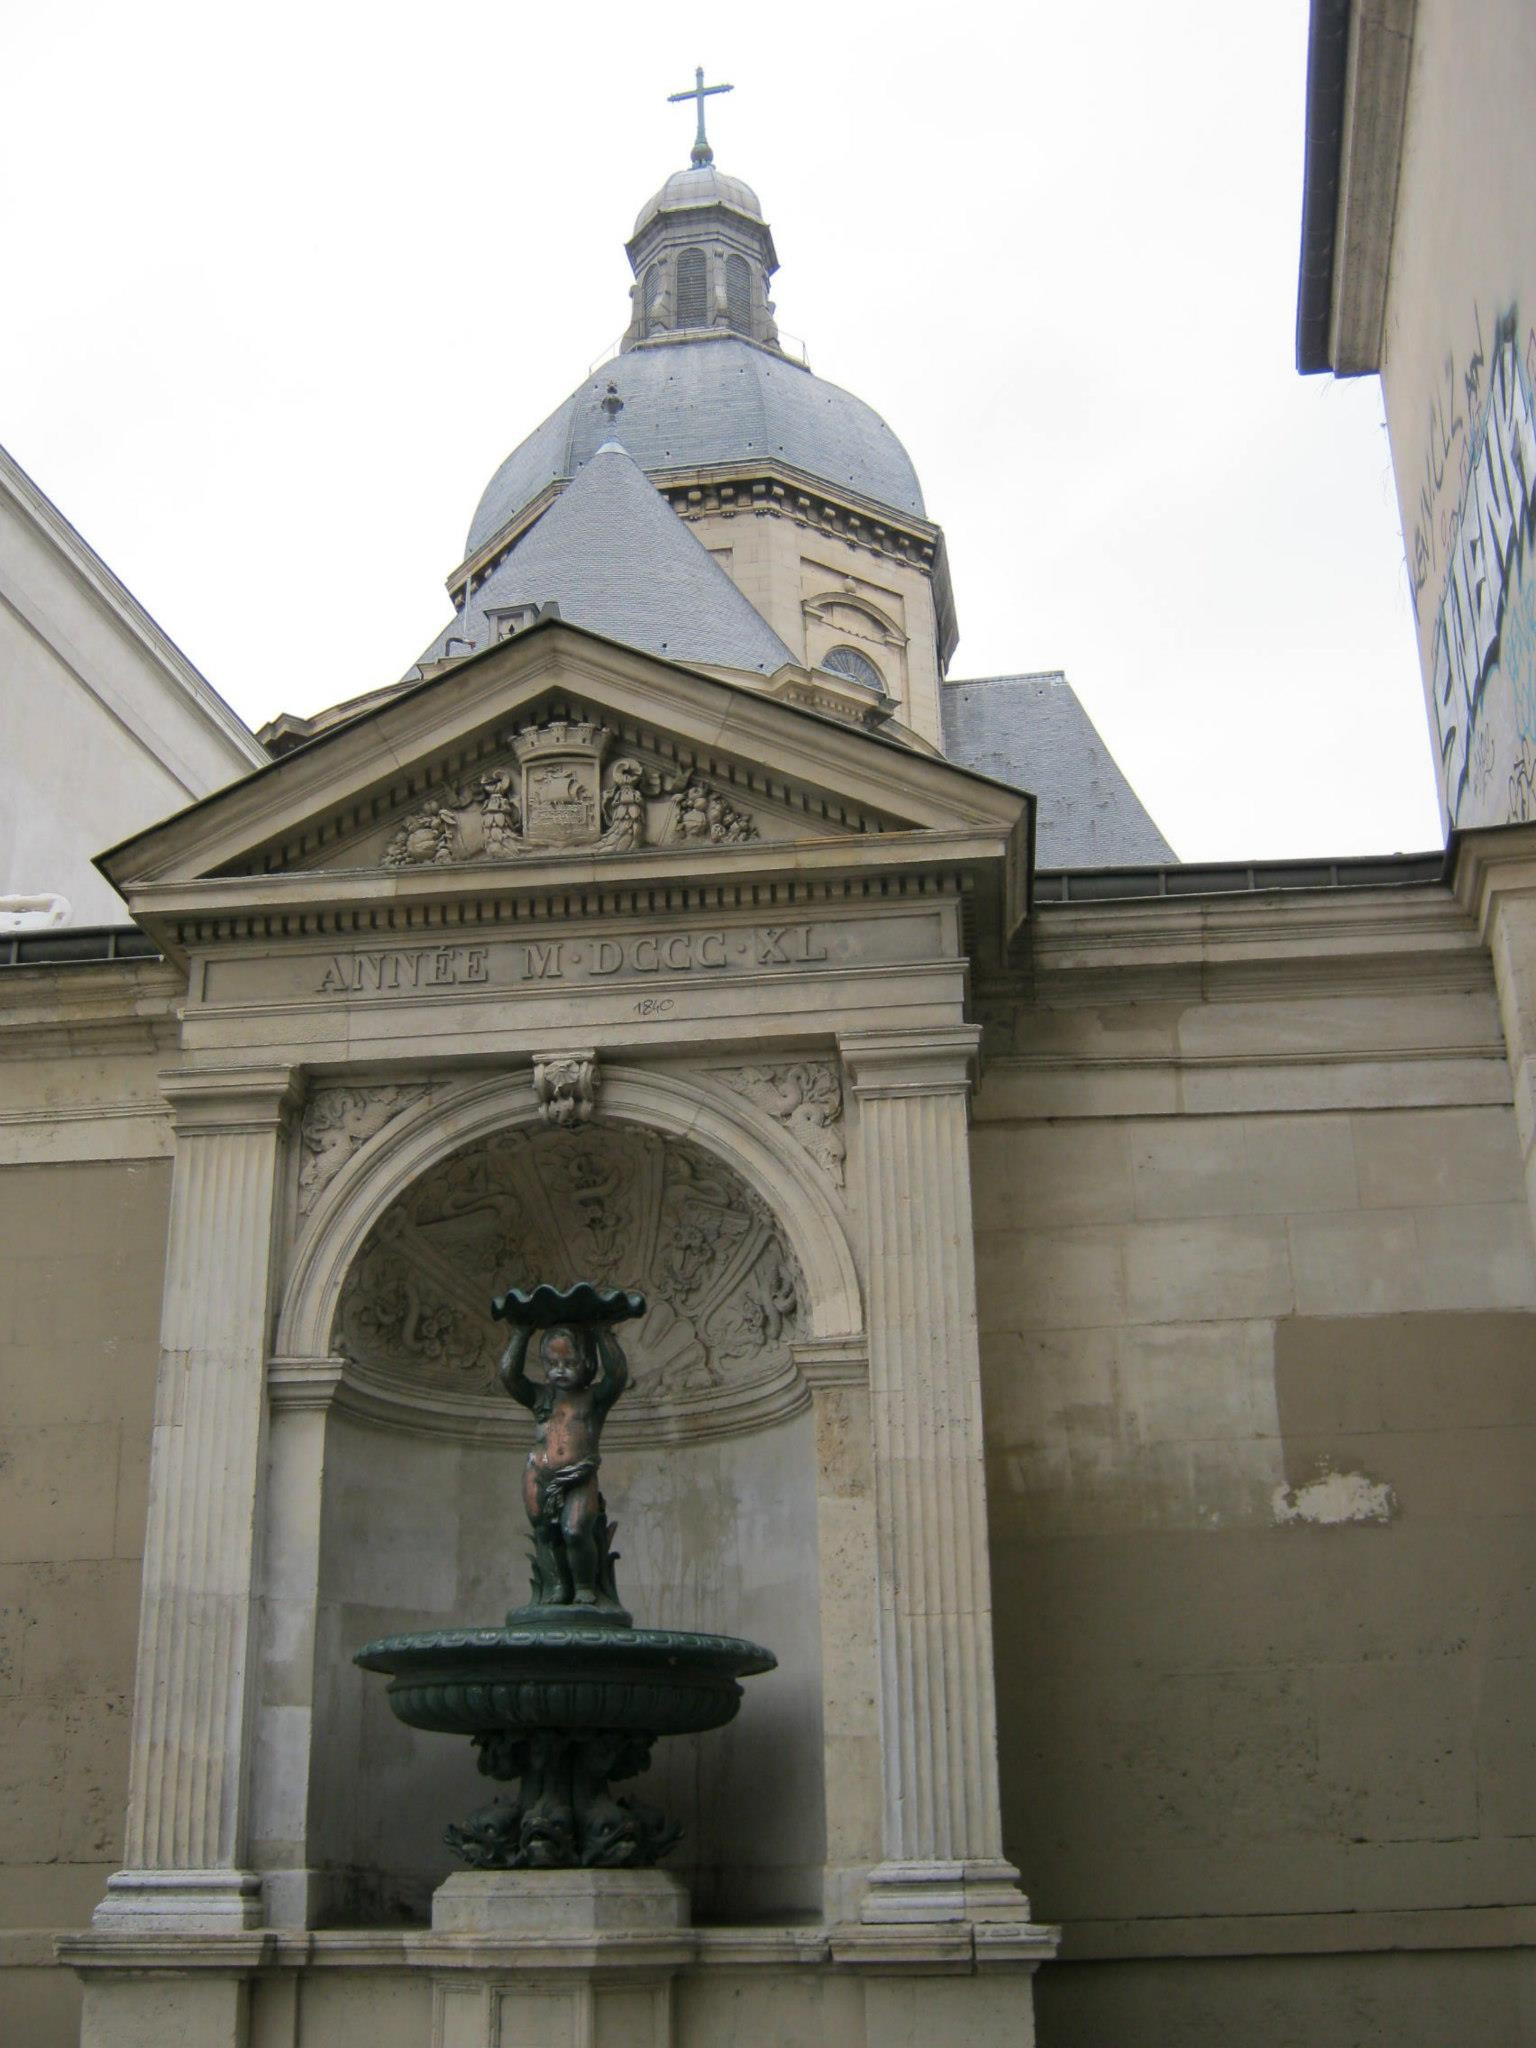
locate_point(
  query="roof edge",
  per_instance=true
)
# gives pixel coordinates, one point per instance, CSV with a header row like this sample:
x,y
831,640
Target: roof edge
x,y
1358,62
116,598
745,703
1327,61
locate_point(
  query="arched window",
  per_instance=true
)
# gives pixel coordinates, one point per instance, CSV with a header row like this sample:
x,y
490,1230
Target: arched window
x,y
655,292
858,668
693,289
738,293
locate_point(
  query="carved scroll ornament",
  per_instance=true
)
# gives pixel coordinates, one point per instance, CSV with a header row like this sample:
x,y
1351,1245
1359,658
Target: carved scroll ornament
x,y
807,1099
336,1121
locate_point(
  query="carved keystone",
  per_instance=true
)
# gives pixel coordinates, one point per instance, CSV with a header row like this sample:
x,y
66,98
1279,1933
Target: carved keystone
x,y
566,1084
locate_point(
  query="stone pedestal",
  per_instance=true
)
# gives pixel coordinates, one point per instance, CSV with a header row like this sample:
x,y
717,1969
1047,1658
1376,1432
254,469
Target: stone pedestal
x,y
558,1905
576,1957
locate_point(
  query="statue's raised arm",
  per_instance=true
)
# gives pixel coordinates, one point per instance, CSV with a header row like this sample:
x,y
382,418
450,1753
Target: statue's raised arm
x,y
612,1375
513,1377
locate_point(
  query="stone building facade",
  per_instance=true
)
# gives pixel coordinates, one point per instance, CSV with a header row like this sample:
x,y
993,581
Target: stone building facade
x,y
1419,262
1091,1325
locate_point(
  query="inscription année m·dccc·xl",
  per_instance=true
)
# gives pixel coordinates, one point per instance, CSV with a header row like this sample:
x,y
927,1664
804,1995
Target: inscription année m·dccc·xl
x,y
427,967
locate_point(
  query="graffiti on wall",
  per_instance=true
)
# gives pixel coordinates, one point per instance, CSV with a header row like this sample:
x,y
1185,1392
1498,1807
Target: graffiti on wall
x,y
1482,637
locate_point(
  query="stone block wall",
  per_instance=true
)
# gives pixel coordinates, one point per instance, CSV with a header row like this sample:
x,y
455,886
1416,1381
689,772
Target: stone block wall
x,y
1258,1305
81,1255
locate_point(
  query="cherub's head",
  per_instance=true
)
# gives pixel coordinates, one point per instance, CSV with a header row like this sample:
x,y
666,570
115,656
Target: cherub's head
x,y
566,1359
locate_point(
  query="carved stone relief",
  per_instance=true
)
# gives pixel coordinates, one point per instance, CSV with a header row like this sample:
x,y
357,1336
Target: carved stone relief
x,y
617,1206
566,1085
807,1099
336,1121
561,794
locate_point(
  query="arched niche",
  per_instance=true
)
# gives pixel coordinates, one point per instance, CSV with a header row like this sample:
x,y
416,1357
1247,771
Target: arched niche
x,y
441,1120
711,1477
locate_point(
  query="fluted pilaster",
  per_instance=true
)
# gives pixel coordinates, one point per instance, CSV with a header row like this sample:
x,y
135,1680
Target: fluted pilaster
x,y
1495,878
187,1783
941,1820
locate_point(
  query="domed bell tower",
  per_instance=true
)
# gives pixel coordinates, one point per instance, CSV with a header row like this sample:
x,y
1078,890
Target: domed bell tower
x,y
701,252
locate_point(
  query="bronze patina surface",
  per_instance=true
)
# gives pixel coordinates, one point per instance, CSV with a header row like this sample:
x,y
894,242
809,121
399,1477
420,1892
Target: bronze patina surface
x,y
569,1696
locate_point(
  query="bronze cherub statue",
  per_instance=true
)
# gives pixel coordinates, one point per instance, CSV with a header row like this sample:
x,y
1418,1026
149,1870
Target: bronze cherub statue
x,y
585,1372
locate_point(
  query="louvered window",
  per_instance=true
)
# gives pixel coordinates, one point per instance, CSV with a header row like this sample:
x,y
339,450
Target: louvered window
x,y
847,661
693,289
738,294
655,290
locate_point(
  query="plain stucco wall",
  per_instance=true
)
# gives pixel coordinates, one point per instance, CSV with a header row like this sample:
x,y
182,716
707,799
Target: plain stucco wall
x,y
1260,1401
82,1250
1481,1999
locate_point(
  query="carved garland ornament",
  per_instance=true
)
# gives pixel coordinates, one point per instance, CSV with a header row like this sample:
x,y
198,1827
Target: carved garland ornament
x,y
807,1099
619,1206
561,795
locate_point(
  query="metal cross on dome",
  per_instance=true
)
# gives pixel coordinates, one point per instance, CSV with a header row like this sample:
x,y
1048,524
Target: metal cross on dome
x,y
701,153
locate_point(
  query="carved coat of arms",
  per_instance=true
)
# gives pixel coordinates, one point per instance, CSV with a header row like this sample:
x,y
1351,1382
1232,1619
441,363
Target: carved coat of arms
x,y
564,792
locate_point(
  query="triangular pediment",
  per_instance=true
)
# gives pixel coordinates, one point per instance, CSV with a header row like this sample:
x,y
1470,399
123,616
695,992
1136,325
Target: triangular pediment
x,y
556,756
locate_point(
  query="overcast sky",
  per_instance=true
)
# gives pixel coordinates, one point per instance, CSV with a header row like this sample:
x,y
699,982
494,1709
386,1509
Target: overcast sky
x,y
284,285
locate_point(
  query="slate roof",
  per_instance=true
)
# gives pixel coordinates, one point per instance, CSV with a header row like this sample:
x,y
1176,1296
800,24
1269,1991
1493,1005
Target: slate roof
x,y
1031,731
615,557
700,185
690,404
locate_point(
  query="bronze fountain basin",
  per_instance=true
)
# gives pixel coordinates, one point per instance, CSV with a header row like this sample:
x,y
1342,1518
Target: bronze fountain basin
x,y
569,1696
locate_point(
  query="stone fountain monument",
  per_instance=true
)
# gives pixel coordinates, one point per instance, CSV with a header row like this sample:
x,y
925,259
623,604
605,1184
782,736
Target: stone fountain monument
x,y
569,1696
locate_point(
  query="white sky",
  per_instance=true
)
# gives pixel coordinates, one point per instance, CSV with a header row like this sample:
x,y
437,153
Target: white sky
x,y
286,283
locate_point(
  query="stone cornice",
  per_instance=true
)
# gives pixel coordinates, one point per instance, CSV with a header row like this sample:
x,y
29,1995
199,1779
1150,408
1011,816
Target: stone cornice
x,y
1357,96
1491,864
755,486
828,1362
1370,152
762,488
117,1006
336,1384
952,1948
236,1955
778,878
1289,943
230,1101
921,1062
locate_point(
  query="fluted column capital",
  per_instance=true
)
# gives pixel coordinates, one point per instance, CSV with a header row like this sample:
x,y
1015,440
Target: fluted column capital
x,y
230,1101
905,1063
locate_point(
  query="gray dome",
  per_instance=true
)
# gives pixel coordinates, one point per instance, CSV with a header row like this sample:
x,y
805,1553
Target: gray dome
x,y
690,404
702,185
